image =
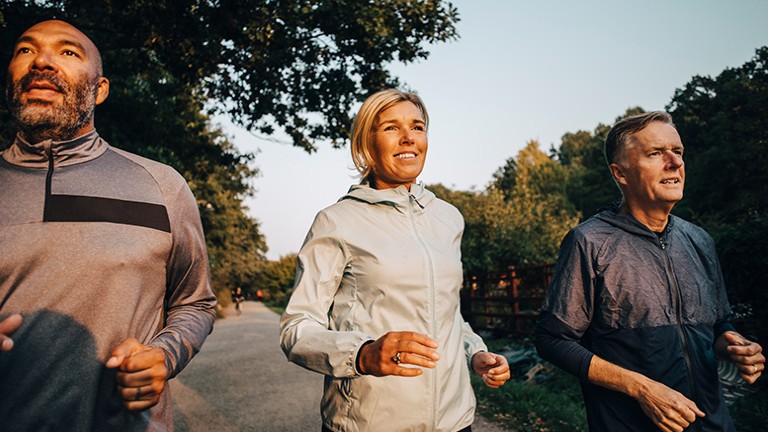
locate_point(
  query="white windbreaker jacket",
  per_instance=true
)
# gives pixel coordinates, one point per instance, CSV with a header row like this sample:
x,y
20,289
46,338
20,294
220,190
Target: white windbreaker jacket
x,y
374,262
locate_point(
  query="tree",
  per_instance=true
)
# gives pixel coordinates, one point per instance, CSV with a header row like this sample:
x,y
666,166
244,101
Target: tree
x,y
542,212
723,125
485,219
299,65
589,185
520,227
276,279
236,247
722,122
504,177
542,174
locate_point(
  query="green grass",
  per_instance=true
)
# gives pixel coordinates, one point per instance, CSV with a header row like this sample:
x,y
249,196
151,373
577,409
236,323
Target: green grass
x,y
276,308
553,406
750,413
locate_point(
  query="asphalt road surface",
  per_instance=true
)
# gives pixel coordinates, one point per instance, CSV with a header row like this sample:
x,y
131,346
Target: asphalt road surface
x,y
241,381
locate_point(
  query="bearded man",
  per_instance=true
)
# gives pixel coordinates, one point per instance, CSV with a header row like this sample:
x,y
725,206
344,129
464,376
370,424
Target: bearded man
x,y
104,279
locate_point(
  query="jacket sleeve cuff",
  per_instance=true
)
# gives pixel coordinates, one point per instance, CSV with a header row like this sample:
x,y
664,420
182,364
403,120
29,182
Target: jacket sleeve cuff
x,y
559,344
356,366
723,327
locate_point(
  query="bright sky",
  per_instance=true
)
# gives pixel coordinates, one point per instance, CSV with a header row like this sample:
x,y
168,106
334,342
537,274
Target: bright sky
x,y
521,70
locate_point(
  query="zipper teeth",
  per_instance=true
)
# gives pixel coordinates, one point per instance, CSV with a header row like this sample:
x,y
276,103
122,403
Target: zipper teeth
x,y
48,181
48,177
678,317
432,293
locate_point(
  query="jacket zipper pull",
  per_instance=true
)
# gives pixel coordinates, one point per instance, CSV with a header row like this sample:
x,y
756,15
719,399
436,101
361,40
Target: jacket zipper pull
x,y
416,201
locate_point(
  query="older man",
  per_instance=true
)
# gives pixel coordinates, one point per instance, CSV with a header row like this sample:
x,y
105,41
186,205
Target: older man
x,y
104,283
637,308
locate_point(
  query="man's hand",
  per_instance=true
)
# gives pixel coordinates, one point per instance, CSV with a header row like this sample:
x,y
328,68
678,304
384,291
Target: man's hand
x,y
378,358
7,327
668,409
492,368
141,375
745,354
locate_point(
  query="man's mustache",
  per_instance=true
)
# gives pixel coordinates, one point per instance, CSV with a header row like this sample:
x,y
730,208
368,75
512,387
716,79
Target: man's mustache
x,y
26,81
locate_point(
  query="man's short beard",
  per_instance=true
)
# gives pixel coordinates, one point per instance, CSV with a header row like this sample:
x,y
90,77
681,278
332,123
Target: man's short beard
x,y
41,120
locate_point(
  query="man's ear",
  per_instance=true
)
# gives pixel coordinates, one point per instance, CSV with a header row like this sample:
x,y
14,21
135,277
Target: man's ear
x,y
618,173
102,90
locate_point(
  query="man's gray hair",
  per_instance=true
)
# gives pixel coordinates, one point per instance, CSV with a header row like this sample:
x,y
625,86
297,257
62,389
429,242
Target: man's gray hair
x,y
620,134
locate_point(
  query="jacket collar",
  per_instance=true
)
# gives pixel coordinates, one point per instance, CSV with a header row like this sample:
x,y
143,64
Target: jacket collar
x,y
418,198
613,216
81,149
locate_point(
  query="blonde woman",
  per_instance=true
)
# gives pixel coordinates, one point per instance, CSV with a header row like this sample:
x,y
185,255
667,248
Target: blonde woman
x,y
376,301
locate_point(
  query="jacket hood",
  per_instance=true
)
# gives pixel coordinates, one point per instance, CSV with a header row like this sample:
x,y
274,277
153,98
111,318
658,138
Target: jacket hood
x,y
613,216
398,197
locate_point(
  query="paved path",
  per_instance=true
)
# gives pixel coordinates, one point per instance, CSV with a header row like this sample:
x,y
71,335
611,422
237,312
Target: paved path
x,y
241,381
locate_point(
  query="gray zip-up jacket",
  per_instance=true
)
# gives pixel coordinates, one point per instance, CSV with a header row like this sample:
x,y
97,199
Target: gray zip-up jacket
x,y
653,304
374,262
96,245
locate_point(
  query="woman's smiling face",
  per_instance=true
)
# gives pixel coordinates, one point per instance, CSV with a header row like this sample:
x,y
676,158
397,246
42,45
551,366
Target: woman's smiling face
x,y
399,146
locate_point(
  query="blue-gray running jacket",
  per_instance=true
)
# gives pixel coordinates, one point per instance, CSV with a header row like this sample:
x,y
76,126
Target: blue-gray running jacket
x,y
651,303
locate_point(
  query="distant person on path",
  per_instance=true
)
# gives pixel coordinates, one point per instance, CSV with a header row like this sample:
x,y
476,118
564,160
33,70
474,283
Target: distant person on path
x,y
376,302
237,299
637,308
104,283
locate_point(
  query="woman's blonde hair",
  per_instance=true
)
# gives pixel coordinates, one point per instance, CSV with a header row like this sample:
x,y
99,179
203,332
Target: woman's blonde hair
x,y
361,134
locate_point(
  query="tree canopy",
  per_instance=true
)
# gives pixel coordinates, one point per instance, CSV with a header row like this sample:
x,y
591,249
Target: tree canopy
x,y
275,279
520,219
295,65
589,185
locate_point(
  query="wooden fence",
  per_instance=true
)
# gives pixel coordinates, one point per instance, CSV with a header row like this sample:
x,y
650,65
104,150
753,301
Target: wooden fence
x,y
505,303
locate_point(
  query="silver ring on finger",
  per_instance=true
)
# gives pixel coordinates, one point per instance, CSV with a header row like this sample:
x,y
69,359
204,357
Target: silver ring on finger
x,y
396,358
138,393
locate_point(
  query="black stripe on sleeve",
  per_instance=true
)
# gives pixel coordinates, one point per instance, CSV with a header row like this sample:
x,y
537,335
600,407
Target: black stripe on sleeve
x,y
74,208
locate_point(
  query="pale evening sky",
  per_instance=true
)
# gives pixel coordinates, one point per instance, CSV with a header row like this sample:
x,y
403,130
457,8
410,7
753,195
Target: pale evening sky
x,y
519,71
